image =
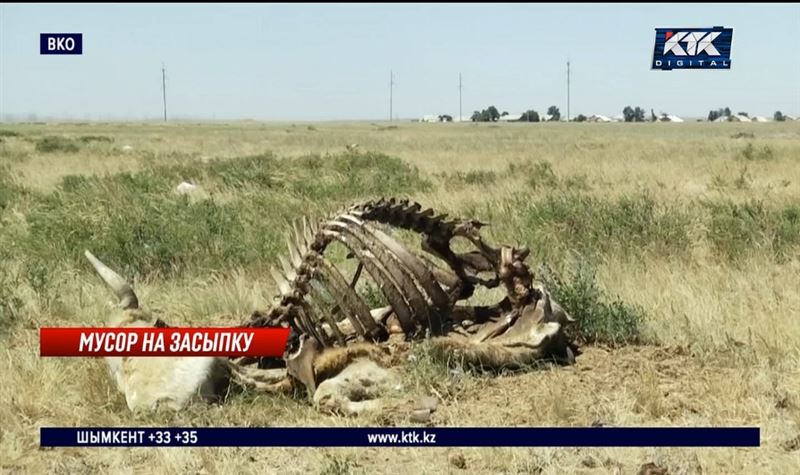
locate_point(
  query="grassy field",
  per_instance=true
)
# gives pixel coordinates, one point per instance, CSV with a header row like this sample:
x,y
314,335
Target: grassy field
x,y
677,246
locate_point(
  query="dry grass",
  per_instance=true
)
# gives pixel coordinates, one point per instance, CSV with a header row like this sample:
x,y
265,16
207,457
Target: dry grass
x,y
726,333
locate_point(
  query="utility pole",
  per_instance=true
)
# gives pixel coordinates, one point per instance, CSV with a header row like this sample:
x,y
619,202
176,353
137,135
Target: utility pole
x,y
460,115
164,88
391,87
567,89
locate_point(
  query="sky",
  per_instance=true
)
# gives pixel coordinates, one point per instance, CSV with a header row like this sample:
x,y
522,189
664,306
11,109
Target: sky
x,y
315,62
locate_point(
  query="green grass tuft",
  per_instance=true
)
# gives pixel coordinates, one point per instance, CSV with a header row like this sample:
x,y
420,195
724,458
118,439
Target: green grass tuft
x,y
53,143
600,318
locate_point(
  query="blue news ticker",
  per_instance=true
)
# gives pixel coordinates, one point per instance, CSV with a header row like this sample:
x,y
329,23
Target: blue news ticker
x,y
400,437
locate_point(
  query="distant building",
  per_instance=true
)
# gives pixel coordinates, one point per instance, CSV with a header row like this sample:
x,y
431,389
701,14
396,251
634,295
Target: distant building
x,y
740,118
670,118
510,118
759,118
598,118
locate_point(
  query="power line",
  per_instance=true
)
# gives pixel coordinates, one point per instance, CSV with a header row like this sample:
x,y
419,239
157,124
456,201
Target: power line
x,y
391,88
567,89
164,88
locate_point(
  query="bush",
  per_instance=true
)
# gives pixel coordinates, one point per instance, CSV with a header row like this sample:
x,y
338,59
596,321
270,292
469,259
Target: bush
x,y
472,177
8,133
95,138
751,153
737,230
10,304
599,318
536,172
9,190
743,135
138,225
51,144
567,220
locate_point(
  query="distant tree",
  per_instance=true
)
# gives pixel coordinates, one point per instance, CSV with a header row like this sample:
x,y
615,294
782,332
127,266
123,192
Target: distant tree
x,y
530,116
494,114
627,114
653,117
779,117
721,112
486,115
580,118
742,113
445,118
633,115
505,113
554,113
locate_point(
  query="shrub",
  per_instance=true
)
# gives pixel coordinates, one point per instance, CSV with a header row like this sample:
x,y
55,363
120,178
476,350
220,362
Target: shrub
x,y
736,230
472,177
749,152
10,191
599,318
51,144
138,225
10,304
537,173
567,220
95,138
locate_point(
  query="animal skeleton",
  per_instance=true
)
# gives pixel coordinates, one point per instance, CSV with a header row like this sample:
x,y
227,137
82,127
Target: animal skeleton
x,y
333,325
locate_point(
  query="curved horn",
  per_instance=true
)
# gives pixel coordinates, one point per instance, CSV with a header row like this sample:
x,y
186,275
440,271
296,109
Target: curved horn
x,y
121,288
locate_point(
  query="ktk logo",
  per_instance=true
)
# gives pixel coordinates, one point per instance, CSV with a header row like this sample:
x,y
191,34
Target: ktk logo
x,y
696,43
692,48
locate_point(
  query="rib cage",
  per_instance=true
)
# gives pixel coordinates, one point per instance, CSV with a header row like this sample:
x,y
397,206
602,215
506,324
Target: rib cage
x,y
423,297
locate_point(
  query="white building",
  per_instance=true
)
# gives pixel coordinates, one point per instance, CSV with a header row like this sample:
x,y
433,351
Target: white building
x,y
510,118
759,118
598,118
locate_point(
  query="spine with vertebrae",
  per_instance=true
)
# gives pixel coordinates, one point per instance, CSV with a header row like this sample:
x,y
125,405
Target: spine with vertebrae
x,y
421,295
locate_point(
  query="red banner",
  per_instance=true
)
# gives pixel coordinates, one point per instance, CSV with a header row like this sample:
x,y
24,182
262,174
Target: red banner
x,y
256,342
